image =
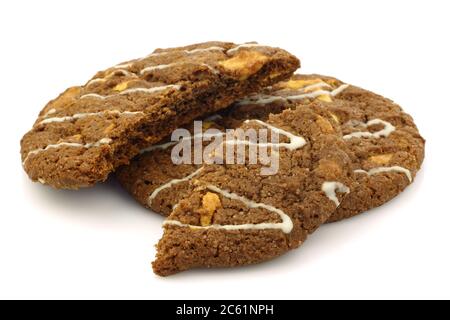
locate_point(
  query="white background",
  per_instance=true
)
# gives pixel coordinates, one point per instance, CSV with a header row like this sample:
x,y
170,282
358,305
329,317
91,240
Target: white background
x,y
99,243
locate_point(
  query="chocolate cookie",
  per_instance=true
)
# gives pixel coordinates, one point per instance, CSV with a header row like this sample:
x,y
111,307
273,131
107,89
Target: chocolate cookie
x,y
88,131
159,184
234,215
386,147
384,162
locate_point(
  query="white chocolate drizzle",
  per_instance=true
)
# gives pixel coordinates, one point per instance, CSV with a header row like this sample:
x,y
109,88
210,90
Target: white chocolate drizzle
x,y
162,146
170,184
286,225
49,112
132,90
122,67
170,65
266,99
91,114
213,48
331,187
150,90
387,169
339,89
245,45
104,141
296,142
318,93
158,67
193,51
385,132
94,96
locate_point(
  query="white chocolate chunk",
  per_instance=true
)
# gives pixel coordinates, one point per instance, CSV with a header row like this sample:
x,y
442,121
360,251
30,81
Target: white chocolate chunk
x,y
286,225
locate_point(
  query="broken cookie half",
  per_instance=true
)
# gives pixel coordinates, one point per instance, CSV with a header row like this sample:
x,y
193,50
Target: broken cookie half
x,y
237,216
88,131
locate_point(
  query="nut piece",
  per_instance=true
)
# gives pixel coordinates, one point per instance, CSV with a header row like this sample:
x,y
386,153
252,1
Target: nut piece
x,y
275,75
121,86
210,204
332,82
381,158
208,124
71,93
324,124
325,98
109,129
65,99
244,64
298,84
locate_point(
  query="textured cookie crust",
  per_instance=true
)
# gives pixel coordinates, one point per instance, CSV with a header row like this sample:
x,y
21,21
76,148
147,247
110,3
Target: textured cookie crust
x,y
236,216
159,184
384,164
88,131
385,145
